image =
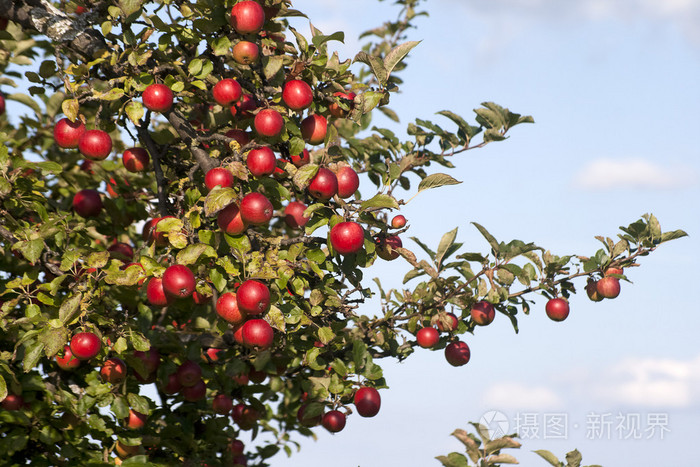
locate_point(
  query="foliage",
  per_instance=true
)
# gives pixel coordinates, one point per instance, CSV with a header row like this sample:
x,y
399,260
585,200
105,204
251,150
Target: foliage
x,y
90,62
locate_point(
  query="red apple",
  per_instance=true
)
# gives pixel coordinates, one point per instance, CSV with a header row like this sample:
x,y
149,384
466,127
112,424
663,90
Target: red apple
x,y
346,98
367,401
150,359
136,159
253,297
457,353
608,287
610,271
218,176
230,221
261,161
257,333
95,144
85,345
239,135
294,215
222,404
245,416
125,451
347,237
12,402
189,373
2,98
67,134
307,420
213,354
256,209
121,250
87,203
348,181
136,420
178,280
227,91
158,97
297,94
314,128
236,447
302,159
557,309
67,361
227,307
173,385
245,52
113,370
386,247
196,392
427,337
244,106
324,185
398,221
483,313
452,324
333,421
155,293
247,17
268,122
592,290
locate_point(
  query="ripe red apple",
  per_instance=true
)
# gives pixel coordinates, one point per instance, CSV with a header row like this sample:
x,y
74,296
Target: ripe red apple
x,y
67,134
178,280
214,354
483,313
2,98
68,360
367,401
297,94
95,144
557,309
121,250
348,181
158,97
85,345
227,308
241,379
196,392
333,421
610,271
113,370
300,160
136,159
457,353
150,359
347,237
188,373
218,176
239,135
247,17
86,166
386,247
268,122
87,203
173,385
245,52
398,221
314,128
261,161
244,106
136,420
307,420
222,404
453,322
227,91
256,209
257,333
12,402
324,185
592,290
230,221
253,297
608,287
155,293
294,215
245,416
236,447
125,451
427,337
346,98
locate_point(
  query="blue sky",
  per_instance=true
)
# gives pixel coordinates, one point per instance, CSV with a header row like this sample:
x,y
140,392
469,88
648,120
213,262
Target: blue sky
x,y
612,86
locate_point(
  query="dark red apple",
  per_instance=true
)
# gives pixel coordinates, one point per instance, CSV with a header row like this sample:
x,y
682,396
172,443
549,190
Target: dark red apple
x,y
367,401
245,52
113,370
247,17
256,209
557,309
95,144
300,160
2,98
218,176
333,421
150,359
12,402
307,420
294,215
222,404
227,308
67,361
386,247
261,161
188,373
67,134
457,353
244,106
347,237
268,122
245,416
227,91
239,135
398,221
253,297
196,392
157,97
608,287
173,385
483,313
179,281
427,337
236,447
297,94
136,159
87,203
314,128
324,185
230,221
348,181
257,333
85,345
121,250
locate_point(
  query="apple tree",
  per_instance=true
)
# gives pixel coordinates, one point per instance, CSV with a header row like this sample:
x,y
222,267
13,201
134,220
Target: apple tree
x,y
185,244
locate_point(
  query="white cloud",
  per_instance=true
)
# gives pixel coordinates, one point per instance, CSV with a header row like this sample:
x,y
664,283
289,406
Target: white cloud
x,y
605,174
518,396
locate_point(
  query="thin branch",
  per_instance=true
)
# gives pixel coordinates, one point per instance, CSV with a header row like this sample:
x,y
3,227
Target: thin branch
x,y
147,141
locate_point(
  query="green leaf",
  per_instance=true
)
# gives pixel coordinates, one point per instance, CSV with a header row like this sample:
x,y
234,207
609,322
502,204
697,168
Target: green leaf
x,y
666,236
129,7
272,64
454,459
397,54
376,65
573,459
31,249
70,108
326,334
425,248
549,457
191,253
446,242
304,176
3,388
218,199
54,339
138,403
221,46
32,354
435,181
489,238
380,200
139,341
134,110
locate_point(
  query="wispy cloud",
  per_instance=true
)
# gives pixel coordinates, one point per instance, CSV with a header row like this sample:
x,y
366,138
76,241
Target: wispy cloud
x,y
518,396
607,174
